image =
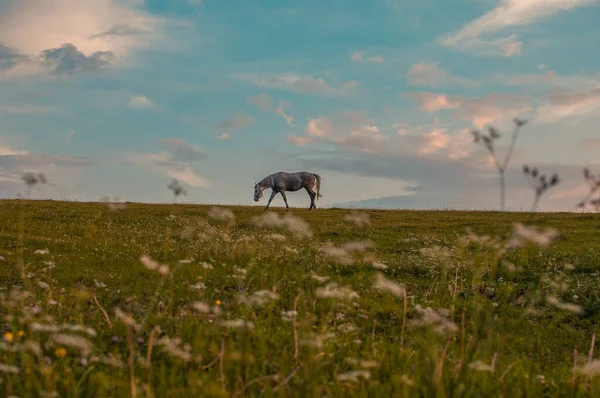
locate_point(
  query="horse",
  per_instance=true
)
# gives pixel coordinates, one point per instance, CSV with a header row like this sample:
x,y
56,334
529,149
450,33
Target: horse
x,y
291,182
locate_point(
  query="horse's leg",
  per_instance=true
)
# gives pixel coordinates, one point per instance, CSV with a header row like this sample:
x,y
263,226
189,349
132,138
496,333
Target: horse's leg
x,y
273,193
285,200
312,198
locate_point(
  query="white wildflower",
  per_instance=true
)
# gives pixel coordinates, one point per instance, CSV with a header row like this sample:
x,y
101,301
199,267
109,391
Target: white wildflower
x,y
440,319
379,265
332,290
481,366
171,346
277,237
77,342
99,284
9,368
288,315
386,285
186,261
523,234
206,265
319,278
43,285
564,306
590,368
317,341
154,265
237,324
201,307
358,218
261,297
220,214
127,319
337,255
353,375
294,224
346,328
357,246
149,263
42,251
198,286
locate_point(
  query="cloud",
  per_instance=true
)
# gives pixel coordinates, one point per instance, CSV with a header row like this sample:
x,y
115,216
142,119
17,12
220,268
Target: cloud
x,y
68,60
302,84
236,122
61,170
590,144
76,36
353,132
8,57
263,102
358,56
182,151
141,102
563,104
508,13
429,74
175,162
300,141
28,109
69,136
492,108
281,111
433,102
165,165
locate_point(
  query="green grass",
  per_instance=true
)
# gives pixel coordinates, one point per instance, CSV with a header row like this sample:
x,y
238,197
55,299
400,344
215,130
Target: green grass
x,y
498,307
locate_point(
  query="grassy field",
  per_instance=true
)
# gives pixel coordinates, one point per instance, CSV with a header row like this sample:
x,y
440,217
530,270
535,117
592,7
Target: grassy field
x,y
183,300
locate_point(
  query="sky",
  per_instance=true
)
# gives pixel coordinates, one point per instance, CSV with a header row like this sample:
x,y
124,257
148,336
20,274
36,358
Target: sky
x,y
119,97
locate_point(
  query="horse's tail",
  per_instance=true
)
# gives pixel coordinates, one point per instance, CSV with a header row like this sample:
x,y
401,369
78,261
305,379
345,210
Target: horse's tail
x,y
318,177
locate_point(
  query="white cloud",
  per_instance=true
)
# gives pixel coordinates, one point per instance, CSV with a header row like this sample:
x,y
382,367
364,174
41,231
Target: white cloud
x,y
281,111
36,25
300,141
490,109
96,33
28,109
433,102
358,56
165,164
236,122
182,151
508,13
429,74
354,133
303,84
262,101
377,59
141,102
567,105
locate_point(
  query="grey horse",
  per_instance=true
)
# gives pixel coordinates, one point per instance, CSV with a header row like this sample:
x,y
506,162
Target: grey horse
x,y
291,182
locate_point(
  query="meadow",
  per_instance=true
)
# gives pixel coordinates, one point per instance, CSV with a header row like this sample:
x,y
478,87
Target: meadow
x,y
177,300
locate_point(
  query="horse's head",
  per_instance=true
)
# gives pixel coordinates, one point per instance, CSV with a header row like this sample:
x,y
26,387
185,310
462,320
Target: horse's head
x,y
258,192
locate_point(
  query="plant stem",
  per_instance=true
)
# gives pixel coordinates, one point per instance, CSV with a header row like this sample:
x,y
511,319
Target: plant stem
x,y
502,188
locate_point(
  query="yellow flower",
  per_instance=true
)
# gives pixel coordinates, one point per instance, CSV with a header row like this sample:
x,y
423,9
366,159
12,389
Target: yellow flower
x,y
218,302
21,333
27,371
8,336
60,352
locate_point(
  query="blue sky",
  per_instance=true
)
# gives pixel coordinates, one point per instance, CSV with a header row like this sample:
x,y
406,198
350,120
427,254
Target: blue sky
x,y
118,97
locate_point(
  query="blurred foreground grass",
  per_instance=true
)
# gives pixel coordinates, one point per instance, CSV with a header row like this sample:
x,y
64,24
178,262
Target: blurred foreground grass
x,y
184,300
